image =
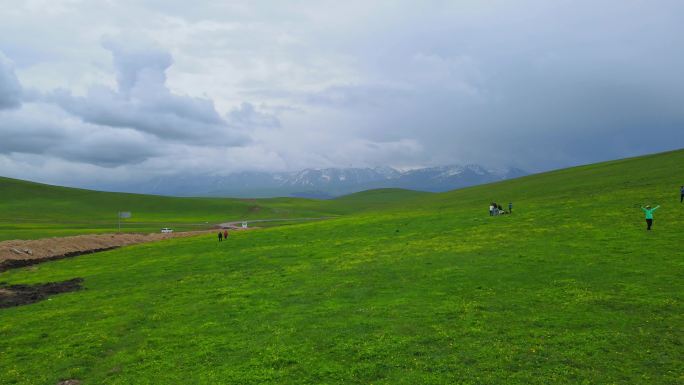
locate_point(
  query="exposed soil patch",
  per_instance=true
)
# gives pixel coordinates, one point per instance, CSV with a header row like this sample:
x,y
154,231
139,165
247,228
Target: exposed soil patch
x,y
17,295
21,253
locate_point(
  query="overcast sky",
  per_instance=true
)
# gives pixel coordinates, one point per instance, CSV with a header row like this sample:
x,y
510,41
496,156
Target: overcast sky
x,y
100,91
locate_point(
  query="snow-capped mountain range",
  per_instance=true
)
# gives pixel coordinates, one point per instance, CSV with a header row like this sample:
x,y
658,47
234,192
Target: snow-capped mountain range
x,y
321,183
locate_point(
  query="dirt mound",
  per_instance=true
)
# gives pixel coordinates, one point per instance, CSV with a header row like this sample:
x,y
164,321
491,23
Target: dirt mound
x,y
20,253
17,295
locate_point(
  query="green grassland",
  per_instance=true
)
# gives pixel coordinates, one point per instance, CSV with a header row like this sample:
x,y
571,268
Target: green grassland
x,y
569,289
32,210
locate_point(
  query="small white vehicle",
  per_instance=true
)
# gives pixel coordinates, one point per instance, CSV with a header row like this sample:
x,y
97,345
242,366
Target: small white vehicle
x,y
166,230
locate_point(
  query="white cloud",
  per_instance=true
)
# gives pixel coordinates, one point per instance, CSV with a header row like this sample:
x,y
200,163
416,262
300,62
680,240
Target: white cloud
x,y
143,102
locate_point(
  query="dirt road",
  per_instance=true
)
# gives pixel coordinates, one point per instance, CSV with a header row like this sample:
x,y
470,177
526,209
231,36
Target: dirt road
x,y
238,224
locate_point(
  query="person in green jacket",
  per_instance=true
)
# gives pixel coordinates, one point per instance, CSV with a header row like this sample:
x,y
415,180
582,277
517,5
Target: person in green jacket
x,y
649,215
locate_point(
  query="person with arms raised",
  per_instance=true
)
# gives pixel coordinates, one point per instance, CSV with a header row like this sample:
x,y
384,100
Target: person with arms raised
x,y
649,215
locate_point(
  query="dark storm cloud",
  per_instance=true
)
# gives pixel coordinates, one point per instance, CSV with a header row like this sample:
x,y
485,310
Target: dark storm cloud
x,y
24,135
108,148
42,129
10,89
535,84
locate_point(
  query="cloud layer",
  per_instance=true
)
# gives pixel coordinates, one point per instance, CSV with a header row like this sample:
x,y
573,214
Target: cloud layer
x,y
126,90
143,102
10,89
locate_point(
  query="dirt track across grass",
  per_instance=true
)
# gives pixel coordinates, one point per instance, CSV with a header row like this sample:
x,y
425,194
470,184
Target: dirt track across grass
x,y
237,225
21,253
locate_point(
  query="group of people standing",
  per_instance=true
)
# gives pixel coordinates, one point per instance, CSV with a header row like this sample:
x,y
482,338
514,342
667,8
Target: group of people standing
x,y
496,209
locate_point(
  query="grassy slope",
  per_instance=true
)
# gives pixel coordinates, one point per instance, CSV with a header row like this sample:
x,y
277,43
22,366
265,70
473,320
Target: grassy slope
x,y
378,199
32,210
570,289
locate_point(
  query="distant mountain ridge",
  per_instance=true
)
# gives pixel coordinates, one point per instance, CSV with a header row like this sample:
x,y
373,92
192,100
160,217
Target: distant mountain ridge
x,y
322,183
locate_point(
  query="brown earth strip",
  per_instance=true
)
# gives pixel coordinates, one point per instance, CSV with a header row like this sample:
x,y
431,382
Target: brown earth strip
x,y
17,295
17,263
19,253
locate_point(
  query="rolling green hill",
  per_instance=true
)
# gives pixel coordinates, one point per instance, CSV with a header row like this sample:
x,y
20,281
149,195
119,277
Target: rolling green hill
x,y
569,289
376,200
32,210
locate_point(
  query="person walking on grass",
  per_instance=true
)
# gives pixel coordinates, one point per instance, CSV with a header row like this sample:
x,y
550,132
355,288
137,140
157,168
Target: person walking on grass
x,y
649,215
681,194
225,234
510,207
220,236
